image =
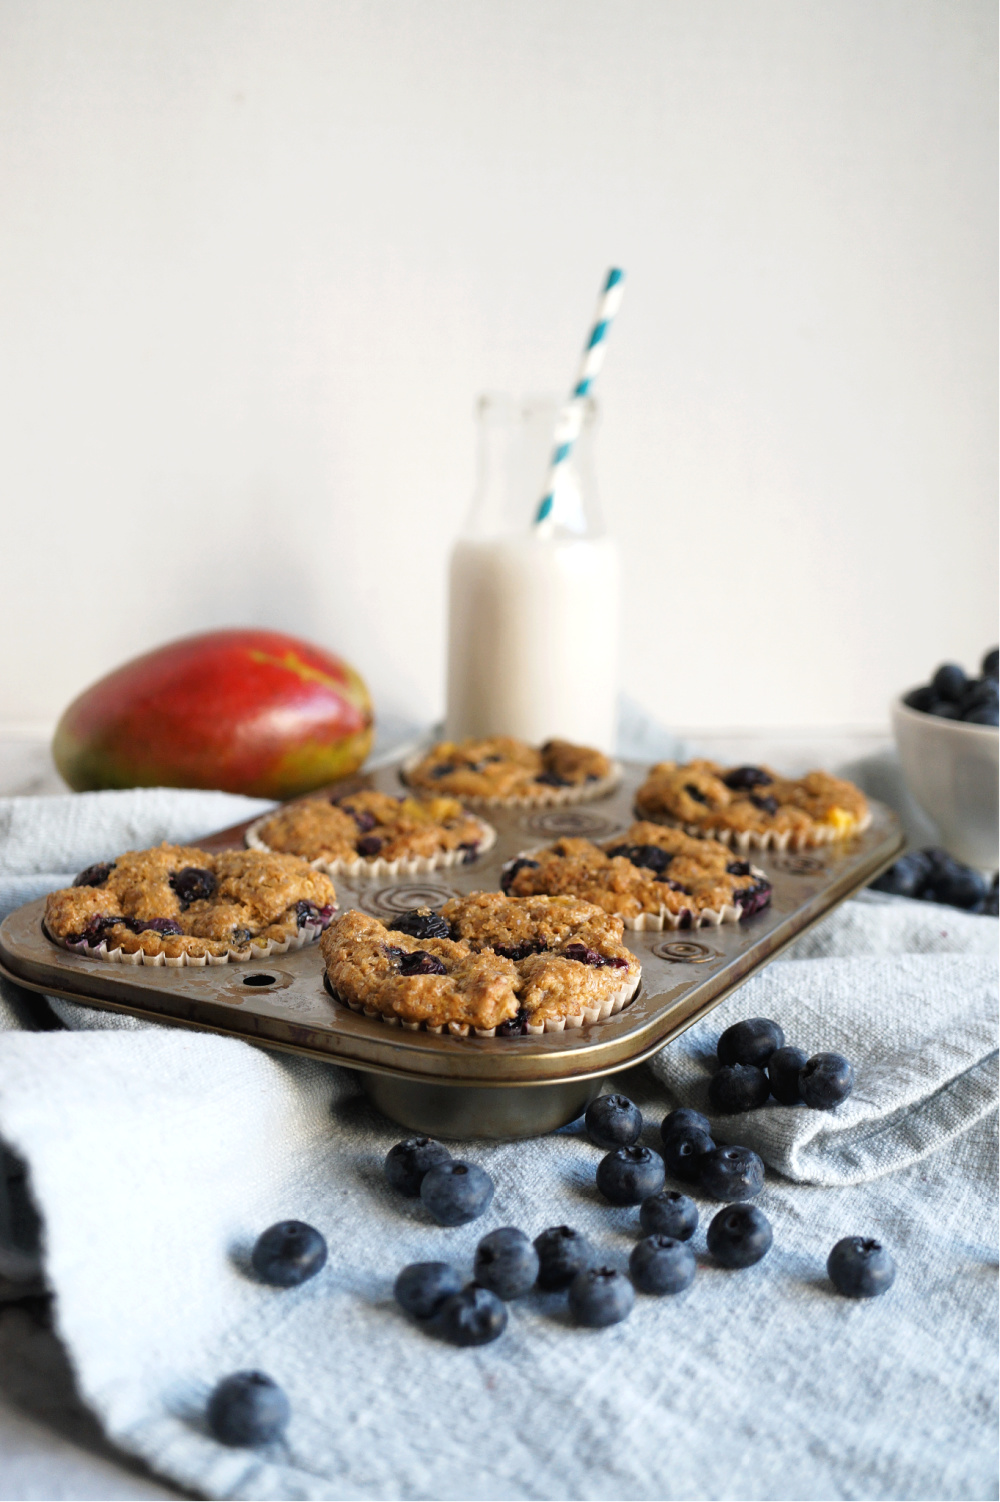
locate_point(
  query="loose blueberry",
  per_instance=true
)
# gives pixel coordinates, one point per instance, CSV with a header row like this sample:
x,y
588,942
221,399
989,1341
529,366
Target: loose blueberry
x,y
990,665
682,1120
739,1236
683,1152
600,1296
473,1317
408,1162
288,1253
506,1263
738,1087
908,877
861,1268
948,682
95,876
422,1287
732,1173
511,869
419,962
613,1121
767,804
747,777
783,1068
248,1408
193,884
825,1080
629,1175
661,1264
750,1042
562,1253
420,923
456,1192
669,1214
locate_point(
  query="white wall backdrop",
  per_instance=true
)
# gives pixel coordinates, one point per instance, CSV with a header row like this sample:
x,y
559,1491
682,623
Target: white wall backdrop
x,y
257,260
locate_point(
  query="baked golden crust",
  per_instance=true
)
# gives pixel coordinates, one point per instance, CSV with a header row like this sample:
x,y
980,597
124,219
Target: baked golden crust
x,y
177,900
500,767
371,826
651,870
753,802
513,963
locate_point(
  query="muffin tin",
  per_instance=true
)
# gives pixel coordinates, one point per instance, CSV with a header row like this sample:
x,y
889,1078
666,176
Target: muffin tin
x,y
470,1087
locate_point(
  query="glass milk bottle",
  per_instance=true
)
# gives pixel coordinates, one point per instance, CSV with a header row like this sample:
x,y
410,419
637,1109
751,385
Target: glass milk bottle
x,y
533,612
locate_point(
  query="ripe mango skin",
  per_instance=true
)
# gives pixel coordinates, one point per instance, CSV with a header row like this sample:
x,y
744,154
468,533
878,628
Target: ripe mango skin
x,y
245,711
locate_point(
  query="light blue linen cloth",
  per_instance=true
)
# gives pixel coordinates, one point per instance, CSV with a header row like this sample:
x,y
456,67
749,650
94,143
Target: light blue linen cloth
x,y
155,1157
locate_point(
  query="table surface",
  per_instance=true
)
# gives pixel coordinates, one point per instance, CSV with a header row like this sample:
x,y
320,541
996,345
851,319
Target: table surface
x,y
50,1445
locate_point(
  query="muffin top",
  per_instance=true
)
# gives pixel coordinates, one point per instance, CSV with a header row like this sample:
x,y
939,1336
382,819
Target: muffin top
x,y
651,870
178,900
508,964
501,768
711,798
371,826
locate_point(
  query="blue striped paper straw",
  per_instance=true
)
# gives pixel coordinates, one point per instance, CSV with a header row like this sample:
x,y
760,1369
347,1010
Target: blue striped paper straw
x,y
570,419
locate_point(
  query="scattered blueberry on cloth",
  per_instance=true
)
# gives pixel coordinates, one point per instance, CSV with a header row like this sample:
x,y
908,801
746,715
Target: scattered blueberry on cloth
x,y
157,1157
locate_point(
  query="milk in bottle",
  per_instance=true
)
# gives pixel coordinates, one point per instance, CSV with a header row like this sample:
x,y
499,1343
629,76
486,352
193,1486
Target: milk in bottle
x,y
533,612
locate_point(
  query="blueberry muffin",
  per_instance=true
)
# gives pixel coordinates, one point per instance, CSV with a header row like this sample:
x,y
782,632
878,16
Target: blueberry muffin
x,y
498,770
178,905
753,806
654,878
374,834
499,966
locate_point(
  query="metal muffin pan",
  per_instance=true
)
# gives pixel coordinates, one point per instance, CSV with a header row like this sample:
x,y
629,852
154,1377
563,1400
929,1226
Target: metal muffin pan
x,y
469,1087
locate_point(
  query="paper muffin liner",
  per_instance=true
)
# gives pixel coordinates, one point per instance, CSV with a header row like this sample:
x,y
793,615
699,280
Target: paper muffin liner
x,y
546,797
607,1008
255,950
706,917
767,839
412,865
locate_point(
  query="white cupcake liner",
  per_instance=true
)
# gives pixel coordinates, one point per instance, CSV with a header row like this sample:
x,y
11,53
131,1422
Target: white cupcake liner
x,y
413,865
546,797
255,950
600,1013
706,917
768,839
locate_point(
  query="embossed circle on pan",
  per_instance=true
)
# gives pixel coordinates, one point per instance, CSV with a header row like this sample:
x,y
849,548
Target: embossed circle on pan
x,y
577,822
801,865
404,896
685,951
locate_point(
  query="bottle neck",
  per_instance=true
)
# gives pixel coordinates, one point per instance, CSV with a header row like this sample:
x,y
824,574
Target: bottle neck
x,y
516,444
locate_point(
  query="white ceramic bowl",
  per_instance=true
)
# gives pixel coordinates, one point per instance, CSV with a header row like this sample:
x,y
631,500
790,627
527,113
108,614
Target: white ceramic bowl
x,y
951,769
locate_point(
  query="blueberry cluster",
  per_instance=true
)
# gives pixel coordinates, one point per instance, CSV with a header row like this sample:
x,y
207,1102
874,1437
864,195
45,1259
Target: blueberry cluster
x,y
454,1191
755,1063
952,696
935,876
